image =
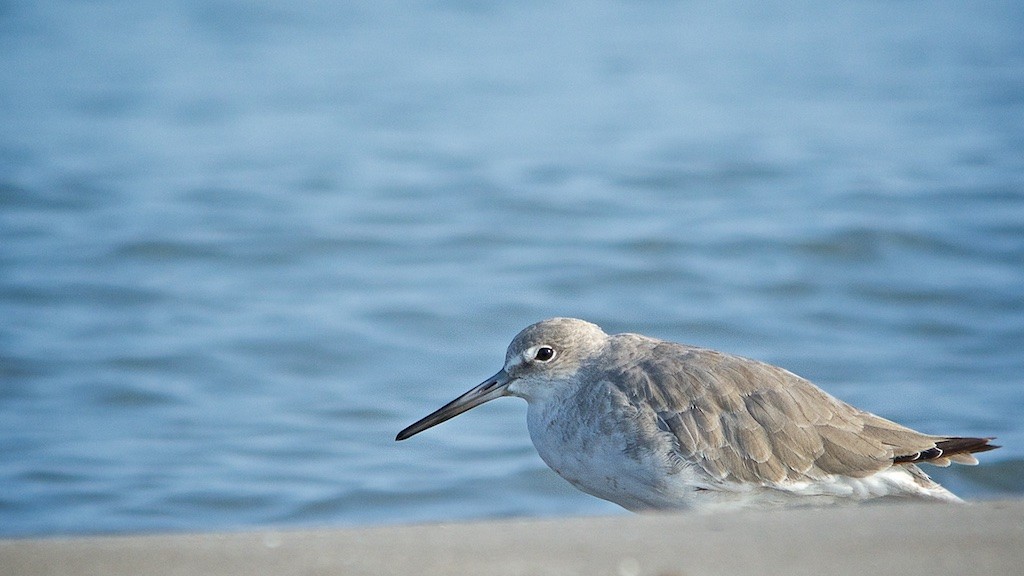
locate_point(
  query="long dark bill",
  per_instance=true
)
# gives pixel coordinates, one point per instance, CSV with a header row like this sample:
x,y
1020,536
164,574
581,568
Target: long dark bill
x,y
493,387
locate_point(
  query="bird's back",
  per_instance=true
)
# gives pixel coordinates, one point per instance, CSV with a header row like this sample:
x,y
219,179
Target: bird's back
x,y
747,422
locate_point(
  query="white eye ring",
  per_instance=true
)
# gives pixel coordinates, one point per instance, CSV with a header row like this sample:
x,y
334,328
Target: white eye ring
x,y
544,354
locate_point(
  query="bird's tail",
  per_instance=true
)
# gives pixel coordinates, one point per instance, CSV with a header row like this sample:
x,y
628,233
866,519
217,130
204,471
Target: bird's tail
x,y
949,450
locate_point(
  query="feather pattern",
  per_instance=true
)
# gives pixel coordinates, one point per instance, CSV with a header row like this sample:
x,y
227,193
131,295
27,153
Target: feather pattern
x,y
744,421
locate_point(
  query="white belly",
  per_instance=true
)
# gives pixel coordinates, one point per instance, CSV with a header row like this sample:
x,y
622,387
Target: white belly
x,y
609,458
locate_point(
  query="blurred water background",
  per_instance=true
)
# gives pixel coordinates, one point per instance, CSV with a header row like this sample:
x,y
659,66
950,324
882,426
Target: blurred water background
x,y
242,244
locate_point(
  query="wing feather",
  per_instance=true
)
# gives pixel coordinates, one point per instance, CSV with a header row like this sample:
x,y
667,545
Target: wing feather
x,y
747,421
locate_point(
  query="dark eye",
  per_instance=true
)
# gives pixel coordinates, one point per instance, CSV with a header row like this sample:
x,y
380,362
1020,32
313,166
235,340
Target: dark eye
x,y
544,353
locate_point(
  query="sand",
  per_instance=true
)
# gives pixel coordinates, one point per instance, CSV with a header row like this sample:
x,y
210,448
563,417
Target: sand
x,y
906,539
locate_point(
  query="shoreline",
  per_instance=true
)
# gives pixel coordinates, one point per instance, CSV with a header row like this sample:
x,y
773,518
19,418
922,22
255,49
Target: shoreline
x,y
909,538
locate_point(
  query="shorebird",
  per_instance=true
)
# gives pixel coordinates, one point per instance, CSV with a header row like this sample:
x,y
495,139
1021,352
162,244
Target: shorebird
x,y
655,425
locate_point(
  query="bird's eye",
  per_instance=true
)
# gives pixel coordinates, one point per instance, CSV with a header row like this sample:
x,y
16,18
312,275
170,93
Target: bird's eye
x,y
544,354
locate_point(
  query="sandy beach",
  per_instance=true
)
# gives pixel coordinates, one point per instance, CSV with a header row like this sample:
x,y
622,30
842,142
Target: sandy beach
x,y
980,538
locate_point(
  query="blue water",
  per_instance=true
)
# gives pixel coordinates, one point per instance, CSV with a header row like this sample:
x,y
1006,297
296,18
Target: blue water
x,y
243,244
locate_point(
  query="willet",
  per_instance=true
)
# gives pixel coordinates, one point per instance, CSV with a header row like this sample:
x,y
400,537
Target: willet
x,y
650,424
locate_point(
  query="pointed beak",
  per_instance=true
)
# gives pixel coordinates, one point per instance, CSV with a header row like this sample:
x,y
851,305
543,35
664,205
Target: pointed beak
x,y
493,387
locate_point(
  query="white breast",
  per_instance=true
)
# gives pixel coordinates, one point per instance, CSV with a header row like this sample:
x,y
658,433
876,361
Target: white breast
x,y
603,452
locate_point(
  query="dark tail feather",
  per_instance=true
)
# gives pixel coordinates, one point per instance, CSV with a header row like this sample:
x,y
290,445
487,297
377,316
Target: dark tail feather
x,y
944,449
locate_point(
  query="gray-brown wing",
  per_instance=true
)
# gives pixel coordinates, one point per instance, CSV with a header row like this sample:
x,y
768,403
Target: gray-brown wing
x,y
747,421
